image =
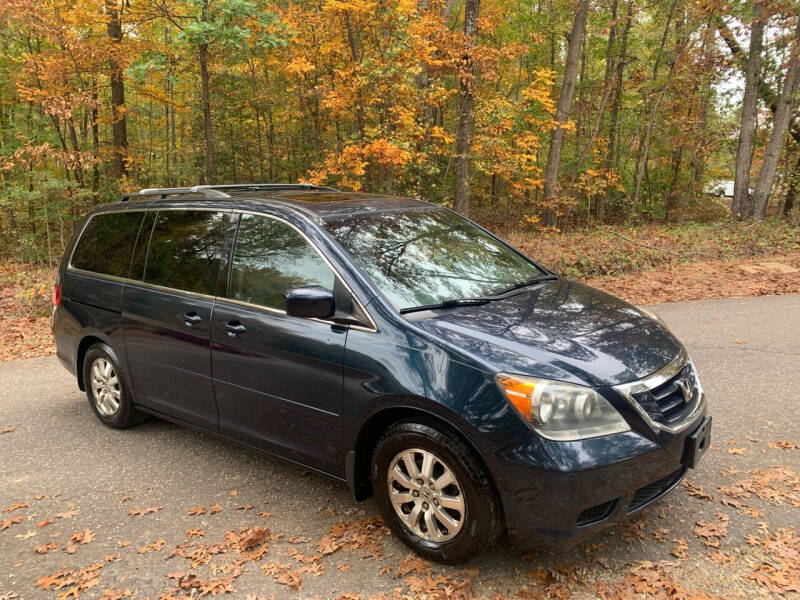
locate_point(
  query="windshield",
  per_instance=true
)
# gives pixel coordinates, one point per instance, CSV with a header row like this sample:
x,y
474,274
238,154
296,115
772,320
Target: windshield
x,y
420,257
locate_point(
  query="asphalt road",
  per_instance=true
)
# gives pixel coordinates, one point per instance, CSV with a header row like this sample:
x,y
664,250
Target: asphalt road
x,y
748,355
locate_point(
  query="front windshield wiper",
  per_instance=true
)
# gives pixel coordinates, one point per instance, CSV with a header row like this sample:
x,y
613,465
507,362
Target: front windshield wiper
x,y
448,304
522,284
479,300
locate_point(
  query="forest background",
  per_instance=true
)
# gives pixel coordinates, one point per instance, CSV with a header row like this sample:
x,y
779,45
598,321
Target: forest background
x,y
595,134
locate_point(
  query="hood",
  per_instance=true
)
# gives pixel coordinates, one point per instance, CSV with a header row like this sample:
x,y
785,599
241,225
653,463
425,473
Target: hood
x,y
561,330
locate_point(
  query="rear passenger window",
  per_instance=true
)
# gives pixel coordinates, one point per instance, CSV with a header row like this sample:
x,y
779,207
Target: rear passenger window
x,y
270,258
107,243
185,249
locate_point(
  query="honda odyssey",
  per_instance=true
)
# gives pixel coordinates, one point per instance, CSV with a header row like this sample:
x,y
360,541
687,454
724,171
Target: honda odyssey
x,y
385,342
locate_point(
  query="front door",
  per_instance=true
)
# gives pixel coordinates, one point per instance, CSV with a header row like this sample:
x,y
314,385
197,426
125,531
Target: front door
x,y
166,315
277,378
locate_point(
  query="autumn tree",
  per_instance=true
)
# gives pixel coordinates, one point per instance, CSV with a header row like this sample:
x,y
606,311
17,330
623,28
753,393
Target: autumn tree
x,y
741,191
782,117
575,40
466,107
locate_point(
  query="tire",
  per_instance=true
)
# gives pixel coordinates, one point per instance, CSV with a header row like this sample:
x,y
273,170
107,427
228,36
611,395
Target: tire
x,y
108,391
474,523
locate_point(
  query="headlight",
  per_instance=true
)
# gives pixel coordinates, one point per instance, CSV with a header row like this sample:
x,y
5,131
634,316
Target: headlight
x,y
561,411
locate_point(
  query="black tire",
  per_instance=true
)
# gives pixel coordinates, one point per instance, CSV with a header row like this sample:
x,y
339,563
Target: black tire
x,y
126,415
482,521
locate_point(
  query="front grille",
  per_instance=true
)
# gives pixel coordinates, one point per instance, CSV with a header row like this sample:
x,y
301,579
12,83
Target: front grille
x,y
673,400
596,513
653,490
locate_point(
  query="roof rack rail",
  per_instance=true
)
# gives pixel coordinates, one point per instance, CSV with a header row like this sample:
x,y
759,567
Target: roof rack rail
x,y
267,187
216,191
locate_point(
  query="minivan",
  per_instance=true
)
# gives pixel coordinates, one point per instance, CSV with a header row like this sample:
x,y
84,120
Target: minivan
x,y
388,343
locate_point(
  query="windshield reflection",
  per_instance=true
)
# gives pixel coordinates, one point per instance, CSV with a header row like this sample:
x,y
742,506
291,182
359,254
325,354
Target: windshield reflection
x,y
420,257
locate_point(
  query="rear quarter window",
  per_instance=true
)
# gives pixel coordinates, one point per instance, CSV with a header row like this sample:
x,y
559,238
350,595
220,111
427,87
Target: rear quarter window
x,y
107,242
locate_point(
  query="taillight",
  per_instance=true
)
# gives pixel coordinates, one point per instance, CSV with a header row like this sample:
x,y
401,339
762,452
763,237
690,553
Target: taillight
x,y
56,295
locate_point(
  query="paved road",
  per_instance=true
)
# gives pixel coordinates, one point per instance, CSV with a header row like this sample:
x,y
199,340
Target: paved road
x,y
748,354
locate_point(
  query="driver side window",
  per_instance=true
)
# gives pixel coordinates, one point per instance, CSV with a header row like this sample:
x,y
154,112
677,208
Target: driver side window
x,y
269,258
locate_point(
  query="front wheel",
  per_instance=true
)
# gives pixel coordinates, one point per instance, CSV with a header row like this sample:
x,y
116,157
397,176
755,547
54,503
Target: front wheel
x,y
435,493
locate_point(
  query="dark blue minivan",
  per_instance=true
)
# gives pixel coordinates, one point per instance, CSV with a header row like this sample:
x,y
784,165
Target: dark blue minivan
x,y
386,342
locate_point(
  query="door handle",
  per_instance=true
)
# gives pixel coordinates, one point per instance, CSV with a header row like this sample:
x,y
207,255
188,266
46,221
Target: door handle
x,y
191,318
234,328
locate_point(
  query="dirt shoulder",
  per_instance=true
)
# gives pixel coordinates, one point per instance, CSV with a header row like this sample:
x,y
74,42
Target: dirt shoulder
x,y
25,292
707,279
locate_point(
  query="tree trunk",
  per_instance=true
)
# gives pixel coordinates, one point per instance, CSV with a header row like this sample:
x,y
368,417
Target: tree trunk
x,y
95,147
791,194
615,106
783,114
208,128
466,115
744,152
205,84
562,110
698,158
119,124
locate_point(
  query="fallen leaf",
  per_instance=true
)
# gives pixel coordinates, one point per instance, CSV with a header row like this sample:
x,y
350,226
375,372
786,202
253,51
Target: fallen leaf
x,y
45,523
243,507
82,579
25,536
696,490
784,445
68,514
45,548
722,558
79,537
9,429
298,539
737,450
152,547
284,575
143,511
197,510
9,522
195,533
412,564
712,531
247,538
16,506
214,508
680,549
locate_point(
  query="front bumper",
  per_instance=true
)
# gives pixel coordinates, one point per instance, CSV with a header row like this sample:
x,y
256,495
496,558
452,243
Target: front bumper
x,y
556,494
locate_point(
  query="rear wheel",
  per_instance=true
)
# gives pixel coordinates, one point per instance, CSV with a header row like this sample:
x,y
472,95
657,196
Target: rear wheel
x,y
434,493
107,388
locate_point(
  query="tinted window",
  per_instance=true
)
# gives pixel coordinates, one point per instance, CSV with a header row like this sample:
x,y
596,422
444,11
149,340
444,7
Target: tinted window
x,y
426,256
107,243
185,249
269,258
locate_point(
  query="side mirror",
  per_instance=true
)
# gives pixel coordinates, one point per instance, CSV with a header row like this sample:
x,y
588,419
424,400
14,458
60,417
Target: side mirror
x,y
310,302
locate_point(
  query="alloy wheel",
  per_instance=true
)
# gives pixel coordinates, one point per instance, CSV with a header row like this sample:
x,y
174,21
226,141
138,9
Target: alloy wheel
x,y
105,386
426,495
